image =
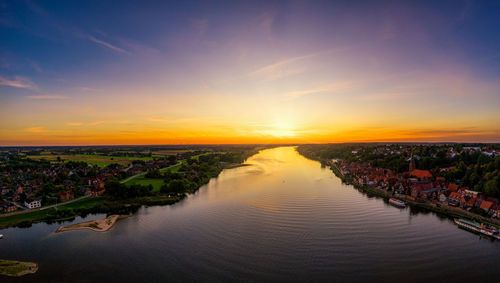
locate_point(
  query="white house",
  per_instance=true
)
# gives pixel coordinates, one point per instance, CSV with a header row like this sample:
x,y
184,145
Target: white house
x,y
32,203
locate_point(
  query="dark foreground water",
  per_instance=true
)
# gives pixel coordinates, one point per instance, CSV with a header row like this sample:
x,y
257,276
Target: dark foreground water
x,y
284,218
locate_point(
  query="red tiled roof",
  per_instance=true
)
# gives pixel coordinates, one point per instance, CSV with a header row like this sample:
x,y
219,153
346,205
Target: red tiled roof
x,y
421,173
453,187
486,205
471,202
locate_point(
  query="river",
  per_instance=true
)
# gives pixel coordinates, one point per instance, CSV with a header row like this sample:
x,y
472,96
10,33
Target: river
x,y
282,218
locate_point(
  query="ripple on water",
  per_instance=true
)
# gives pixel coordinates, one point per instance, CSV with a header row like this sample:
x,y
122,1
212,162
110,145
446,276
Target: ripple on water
x,y
282,219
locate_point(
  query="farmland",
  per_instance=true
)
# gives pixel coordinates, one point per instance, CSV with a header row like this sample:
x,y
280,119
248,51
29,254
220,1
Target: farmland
x,y
95,159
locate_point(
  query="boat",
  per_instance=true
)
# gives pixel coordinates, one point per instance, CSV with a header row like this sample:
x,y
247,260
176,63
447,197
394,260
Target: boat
x,y
397,202
478,227
1,236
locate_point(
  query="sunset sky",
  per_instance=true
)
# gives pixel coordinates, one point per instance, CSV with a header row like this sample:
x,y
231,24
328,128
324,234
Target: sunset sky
x,y
183,72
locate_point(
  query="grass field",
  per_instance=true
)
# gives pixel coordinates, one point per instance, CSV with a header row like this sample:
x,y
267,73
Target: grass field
x,y
99,160
141,180
167,152
156,183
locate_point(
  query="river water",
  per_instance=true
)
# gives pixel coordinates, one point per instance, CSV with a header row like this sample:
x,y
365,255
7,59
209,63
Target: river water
x,y
282,218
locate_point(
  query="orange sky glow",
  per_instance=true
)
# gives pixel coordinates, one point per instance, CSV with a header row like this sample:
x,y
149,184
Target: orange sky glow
x,y
270,74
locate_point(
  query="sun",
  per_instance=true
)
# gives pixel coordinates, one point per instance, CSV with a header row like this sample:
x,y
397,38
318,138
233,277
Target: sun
x,y
282,129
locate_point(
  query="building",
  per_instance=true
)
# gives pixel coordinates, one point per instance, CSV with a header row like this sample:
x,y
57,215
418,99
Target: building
x,y
486,205
421,174
6,207
32,203
65,196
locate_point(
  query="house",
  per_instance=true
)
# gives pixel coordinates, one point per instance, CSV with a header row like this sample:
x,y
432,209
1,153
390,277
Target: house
x,y
471,202
495,209
65,196
454,199
32,203
442,197
97,193
429,193
6,207
486,205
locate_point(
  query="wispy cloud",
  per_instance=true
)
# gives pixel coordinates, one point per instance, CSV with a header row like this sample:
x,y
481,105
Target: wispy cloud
x,y
35,65
96,123
159,119
323,89
47,97
36,129
282,68
74,124
108,45
18,82
88,89
288,67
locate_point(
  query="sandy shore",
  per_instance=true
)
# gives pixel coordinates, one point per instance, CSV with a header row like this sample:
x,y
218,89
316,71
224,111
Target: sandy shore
x,y
17,268
100,225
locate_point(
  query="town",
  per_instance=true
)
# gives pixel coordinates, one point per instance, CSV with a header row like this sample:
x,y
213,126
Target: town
x,y
37,181
460,178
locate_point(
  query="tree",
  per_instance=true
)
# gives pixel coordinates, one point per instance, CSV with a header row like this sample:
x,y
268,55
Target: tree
x,y
176,186
492,187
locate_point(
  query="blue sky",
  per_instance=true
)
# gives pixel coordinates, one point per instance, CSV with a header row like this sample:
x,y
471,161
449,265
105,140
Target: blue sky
x,y
427,65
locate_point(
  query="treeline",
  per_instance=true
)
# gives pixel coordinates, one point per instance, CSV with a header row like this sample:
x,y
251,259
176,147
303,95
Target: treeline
x,y
194,173
364,153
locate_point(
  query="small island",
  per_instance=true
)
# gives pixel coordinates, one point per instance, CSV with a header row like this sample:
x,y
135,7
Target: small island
x,y
17,268
100,225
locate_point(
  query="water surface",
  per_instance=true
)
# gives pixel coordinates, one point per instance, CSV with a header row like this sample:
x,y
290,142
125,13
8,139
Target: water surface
x,y
284,218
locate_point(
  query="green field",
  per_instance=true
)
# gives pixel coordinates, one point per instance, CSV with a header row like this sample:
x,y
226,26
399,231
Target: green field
x,y
156,183
141,180
95,159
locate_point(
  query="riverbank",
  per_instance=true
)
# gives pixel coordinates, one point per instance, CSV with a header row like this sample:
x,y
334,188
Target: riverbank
x,y
445,210
103,204
100,225
17,268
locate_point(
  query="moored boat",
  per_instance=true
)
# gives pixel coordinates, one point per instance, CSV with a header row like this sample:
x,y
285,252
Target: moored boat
x,y
397,202
478,227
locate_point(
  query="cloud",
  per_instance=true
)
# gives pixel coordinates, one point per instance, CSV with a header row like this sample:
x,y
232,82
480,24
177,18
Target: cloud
x,y
108,45
35,66
327,88
74,124
96,123
35,130
288,67
47,97
88,89
282,68
18,82
159,119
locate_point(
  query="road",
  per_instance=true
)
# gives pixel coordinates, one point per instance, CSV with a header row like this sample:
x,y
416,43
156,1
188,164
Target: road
x,y
63,203
143,173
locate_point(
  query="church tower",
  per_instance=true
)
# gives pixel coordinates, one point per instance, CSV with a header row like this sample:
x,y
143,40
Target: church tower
x,y
412,163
